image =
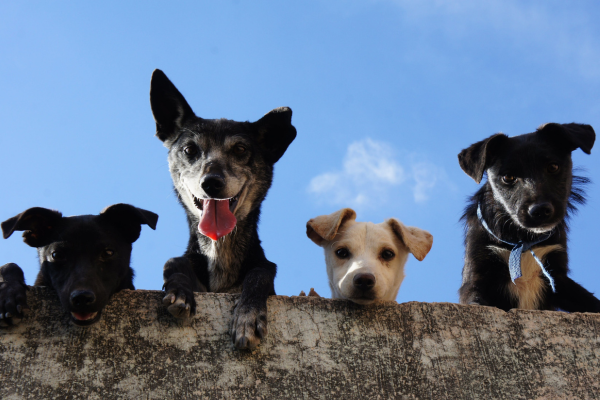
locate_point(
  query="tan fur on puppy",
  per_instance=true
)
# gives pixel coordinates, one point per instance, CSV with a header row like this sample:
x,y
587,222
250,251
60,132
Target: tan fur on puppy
x,y
528,290
365,261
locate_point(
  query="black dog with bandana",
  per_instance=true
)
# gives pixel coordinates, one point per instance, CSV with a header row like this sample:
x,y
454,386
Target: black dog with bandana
x,y
523,211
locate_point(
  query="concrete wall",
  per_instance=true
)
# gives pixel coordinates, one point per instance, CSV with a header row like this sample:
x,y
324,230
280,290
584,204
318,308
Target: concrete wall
x,y
316,349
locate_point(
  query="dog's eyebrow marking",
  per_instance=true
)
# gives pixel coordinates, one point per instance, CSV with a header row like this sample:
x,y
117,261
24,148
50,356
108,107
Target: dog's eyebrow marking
x,y
501,199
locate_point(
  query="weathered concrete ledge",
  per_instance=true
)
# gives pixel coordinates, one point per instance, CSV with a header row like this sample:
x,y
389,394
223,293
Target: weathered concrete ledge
x,y
316,349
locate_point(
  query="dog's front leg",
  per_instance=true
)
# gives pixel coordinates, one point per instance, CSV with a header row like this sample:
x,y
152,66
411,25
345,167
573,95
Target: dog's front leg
x,y
572,297
180,284
470,294
13,297
249,324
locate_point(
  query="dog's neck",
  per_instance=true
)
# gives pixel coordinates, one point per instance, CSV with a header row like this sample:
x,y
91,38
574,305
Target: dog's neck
x,y
226,255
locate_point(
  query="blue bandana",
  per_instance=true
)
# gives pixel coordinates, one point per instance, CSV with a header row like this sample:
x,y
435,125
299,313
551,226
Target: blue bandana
x,y
514,260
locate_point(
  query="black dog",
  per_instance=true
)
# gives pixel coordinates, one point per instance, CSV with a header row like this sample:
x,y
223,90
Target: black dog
x,y
523,211
84,258
221,171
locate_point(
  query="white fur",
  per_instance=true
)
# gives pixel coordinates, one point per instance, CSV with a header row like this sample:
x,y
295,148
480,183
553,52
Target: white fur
x,y
365,242
501,200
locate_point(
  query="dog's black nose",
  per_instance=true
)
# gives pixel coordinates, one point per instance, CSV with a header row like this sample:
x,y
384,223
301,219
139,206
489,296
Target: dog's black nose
x,y
212,185
364,281
541,212
81,298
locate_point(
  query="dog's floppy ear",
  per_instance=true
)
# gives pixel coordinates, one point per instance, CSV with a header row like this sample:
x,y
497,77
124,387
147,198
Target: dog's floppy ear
x,y
38,224
129,219
475,159
275,132
324,227
572,135
169,107
417,240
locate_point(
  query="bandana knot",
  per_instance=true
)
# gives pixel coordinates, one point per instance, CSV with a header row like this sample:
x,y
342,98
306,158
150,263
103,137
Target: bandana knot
x,y
514,260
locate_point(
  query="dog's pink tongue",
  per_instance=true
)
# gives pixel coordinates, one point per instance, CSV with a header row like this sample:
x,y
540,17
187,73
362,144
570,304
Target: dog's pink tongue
x,y
216,221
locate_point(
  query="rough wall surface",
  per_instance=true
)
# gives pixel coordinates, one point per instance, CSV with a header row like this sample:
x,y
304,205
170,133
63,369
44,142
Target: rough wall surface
x,y
316,349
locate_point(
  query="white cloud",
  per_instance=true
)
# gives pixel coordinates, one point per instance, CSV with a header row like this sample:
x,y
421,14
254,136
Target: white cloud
x,y
370,174
426,177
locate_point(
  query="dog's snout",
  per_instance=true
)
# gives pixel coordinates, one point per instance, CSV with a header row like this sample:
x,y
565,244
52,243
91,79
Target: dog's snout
x,y
364,281
213,184
541,212
80,298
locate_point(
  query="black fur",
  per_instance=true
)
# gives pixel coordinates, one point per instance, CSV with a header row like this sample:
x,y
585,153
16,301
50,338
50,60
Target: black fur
x,y
522,181
217,159
84,258
13,297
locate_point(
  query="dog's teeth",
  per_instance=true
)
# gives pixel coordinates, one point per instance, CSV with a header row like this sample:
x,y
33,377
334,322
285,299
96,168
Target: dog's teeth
x,y
198,203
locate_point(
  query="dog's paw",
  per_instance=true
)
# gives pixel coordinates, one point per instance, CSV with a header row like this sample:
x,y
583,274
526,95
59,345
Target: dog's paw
x,y
249,325
179,299
180,302
13,295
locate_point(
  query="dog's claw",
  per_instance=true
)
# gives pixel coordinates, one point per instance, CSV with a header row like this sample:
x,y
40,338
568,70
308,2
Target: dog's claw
x,y
261,331
177,306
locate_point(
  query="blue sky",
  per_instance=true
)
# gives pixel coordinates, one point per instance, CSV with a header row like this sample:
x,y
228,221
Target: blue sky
x,y
384,94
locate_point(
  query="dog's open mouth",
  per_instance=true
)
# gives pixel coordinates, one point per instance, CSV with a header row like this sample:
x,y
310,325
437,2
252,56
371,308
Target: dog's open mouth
x,y
83,318
232,202
217,219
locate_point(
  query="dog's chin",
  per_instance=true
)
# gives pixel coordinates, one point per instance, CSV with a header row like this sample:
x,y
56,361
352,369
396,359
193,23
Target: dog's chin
x,y
542,229
363,298
85,318
538,229
362,301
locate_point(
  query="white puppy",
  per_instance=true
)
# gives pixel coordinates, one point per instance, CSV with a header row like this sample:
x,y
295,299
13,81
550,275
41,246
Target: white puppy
x,y
365,261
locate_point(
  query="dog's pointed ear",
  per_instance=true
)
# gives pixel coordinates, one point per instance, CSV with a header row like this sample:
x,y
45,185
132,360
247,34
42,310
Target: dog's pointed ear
x,y
129,219
275,133
417,240
169,107
324,227
573,135
38,224
475,159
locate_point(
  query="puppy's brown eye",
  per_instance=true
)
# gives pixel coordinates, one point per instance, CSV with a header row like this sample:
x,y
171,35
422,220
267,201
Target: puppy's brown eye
x,y
108,253
342,253
508,179
387,255
553,168
239,149
57,255
190,150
